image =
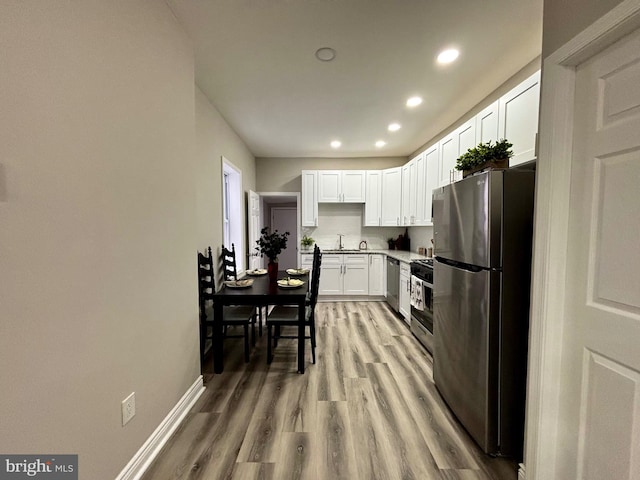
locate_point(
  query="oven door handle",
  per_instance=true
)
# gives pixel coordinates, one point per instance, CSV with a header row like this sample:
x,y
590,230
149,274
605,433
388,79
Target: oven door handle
x,y
428,285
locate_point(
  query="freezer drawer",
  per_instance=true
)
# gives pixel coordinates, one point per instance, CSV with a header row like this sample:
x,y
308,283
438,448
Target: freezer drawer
x,y
465,356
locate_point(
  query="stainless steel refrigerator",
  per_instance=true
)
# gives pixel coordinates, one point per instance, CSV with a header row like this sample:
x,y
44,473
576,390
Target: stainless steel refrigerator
x,y
482,236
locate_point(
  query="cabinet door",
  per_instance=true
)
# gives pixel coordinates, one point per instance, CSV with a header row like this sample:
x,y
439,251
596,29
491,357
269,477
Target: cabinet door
x,y
373,198
356,274
421,177
331,278
306,261
329,186
405,292
377,277
309,202
487,124
406,194
391,197
466,134
448,157
353,186
432,157
518,119
409,193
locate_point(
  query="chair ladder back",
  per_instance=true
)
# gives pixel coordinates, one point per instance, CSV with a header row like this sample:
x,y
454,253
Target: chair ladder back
x,y
228,257
206,281
315,281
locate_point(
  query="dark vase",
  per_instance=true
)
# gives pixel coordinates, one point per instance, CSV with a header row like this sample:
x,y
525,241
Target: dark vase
x,y
272,270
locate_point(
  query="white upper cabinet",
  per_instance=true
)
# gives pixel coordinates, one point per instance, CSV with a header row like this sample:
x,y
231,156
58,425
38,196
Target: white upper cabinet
x,y
428,178
309,202
391,197
409,193
341,186
518,119
487,124
448,157
373,198
466,136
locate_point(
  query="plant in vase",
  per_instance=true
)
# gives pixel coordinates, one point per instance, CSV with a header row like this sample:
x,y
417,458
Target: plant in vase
x,y
306,242
484,156
271,245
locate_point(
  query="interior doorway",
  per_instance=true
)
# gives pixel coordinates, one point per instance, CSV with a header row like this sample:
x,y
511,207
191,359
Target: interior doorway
x,y
281,210
284,219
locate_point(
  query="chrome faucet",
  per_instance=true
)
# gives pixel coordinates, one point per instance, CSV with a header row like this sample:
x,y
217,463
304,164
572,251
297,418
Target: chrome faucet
x,y
340,247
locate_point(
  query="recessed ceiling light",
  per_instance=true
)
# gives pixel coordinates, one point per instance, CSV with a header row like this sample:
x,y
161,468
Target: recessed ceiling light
x,y
448,56
394,127
380,143
336,144
414,101
325,54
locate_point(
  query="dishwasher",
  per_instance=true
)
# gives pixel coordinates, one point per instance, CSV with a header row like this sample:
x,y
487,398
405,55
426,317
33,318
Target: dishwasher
x,y
393,282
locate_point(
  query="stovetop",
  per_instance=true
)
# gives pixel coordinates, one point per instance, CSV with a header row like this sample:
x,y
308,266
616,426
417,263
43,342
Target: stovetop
x,y
427,262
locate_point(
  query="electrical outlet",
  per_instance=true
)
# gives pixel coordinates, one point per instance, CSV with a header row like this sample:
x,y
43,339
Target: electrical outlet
x,y
128,408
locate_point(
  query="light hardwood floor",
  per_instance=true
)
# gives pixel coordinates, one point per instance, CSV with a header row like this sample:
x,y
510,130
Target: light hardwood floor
x,y
368,409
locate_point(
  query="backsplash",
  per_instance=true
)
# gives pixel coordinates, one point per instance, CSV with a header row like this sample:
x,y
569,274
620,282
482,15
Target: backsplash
x,y
347,219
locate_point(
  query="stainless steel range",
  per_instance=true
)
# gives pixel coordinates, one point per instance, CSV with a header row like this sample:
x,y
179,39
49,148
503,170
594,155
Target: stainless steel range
x,y
422,302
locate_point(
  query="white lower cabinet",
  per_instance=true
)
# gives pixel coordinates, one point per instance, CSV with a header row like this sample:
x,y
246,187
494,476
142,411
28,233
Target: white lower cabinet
x,y
377,275
344,274
356,274
405,292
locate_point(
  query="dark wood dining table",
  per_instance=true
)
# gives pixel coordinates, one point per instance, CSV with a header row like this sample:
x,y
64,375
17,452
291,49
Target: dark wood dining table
x,y
262,292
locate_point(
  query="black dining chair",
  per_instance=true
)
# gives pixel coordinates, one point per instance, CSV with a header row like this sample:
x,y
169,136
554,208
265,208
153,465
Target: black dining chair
x,y
228,263
236,316
282,315
230,272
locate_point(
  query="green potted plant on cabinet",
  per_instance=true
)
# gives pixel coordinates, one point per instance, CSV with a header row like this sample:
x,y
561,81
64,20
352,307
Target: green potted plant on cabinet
x,y
485,156
306,242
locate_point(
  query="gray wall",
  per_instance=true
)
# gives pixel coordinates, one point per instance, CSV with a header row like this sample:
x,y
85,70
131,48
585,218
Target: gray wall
x,y
564,19
215,139
105,195
524,73
283,174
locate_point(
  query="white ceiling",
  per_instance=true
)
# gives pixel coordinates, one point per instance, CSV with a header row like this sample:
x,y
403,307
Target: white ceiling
x,y
255,61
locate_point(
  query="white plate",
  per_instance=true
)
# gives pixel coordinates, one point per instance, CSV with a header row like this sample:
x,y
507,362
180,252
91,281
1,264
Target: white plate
x,y
291,283
257,272
297,271
239,283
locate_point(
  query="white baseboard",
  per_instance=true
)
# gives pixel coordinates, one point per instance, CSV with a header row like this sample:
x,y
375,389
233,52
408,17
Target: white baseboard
x,y
147,453
521,471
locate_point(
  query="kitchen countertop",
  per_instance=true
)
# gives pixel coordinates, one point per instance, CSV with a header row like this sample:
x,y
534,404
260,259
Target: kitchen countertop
x,y
401,255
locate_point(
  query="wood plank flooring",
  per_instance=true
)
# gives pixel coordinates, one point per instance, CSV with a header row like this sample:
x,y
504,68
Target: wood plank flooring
x,y
368,409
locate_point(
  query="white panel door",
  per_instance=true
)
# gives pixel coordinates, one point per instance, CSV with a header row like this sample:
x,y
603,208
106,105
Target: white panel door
x,y
600,394
255,260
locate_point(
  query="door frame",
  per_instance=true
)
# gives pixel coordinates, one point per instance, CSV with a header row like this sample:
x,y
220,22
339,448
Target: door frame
x,y
547,320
